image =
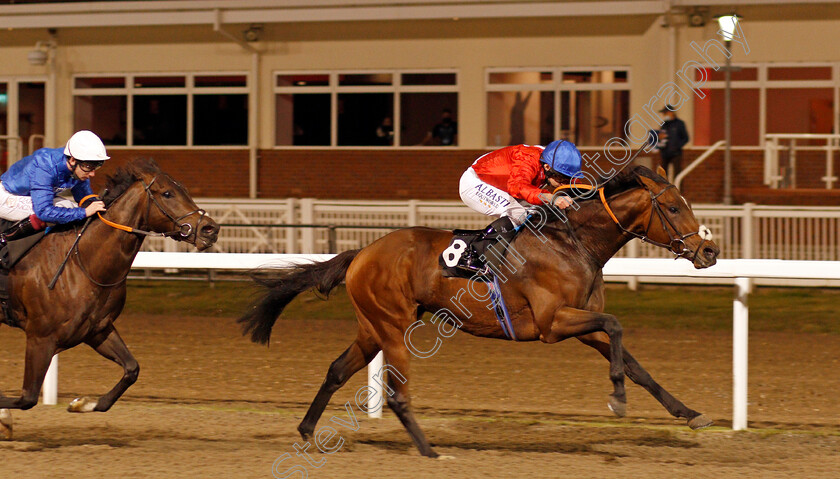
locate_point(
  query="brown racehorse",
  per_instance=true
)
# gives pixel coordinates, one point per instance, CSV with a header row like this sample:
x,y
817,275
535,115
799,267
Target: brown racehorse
x,y
90,293
558,292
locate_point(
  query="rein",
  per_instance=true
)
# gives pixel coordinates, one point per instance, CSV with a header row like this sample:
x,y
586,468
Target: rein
x,y
184,231
677,244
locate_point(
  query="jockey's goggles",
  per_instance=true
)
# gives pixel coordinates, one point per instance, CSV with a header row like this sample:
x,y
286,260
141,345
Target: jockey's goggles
x,y
88,166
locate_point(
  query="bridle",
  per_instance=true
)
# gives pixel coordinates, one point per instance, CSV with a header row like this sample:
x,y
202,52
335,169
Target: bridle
x,y
184,231
676,245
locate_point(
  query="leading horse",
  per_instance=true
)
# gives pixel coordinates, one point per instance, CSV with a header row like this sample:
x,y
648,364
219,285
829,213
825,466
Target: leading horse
x,y
90,292
556,292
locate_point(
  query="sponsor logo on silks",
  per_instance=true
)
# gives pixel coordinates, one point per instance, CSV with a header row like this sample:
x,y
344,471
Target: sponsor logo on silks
x,y
487,193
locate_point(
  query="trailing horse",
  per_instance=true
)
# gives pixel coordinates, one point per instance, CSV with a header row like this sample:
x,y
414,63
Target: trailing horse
x,y
89,293
555,292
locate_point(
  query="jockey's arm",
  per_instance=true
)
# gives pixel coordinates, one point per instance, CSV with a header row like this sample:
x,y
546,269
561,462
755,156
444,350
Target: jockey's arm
x,y
43,196
522,174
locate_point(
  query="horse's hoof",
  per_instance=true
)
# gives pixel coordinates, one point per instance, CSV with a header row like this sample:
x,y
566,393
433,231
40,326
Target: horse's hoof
x,y
81,405
5,424
699,422
619,408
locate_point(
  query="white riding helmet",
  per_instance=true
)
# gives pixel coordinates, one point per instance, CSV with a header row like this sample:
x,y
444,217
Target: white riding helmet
x,y
84,145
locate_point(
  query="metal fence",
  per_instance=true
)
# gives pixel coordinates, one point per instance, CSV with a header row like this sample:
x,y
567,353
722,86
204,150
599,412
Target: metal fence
x,y
330,226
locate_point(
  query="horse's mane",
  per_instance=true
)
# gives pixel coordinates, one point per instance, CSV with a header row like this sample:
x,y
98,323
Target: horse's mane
x,y
629,179
127,175
625,180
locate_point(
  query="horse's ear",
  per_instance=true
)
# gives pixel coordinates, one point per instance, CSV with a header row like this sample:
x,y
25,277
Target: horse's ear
x,y
661,171
648,183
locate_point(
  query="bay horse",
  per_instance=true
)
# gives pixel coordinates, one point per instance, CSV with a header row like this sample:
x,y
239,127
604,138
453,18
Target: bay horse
x,y
557,292
90,293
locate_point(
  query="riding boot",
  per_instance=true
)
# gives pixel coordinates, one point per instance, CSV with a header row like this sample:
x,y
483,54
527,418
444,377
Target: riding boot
x,y
22,229
501,225
471,259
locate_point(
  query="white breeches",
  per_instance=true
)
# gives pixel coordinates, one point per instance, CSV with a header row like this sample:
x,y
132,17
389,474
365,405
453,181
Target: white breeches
x,y
489,200
16,208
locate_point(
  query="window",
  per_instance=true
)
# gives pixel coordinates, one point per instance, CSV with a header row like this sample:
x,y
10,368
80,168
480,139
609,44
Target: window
x,y
380,108
790,99
536,106
164,110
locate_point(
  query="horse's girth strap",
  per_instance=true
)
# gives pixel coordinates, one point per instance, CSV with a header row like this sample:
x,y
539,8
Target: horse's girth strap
x,y
600,193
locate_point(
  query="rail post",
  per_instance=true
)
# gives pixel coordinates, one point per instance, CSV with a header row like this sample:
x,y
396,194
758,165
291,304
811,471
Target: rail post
x,y
331,239
747,241
49,391
740,348
633,252
378,397
307,217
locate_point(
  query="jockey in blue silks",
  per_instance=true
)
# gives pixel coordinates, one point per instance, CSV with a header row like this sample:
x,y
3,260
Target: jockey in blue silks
x,y
29,189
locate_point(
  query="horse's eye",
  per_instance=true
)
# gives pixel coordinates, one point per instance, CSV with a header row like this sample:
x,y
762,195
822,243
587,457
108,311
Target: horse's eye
x,y
673,209
167,194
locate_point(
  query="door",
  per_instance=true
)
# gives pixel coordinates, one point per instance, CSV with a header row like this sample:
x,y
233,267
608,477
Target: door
x,y
22,118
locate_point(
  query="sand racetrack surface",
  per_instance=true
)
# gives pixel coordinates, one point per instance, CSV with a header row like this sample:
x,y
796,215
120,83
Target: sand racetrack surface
x,y
211,404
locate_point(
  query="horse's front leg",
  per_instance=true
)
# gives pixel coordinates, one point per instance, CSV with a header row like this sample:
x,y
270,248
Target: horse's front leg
x,y
39,353
571,322
637,374
109,344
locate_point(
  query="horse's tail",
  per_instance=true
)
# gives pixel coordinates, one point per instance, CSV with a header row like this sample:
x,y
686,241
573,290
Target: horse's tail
x,y
282,287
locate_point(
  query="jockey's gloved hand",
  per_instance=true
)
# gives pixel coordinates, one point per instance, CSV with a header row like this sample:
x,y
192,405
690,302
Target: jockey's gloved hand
x,y
94,207
86,201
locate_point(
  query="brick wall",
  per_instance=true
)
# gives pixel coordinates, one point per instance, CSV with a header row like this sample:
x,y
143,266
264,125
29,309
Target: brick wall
x,y
433,174
207,173
363,174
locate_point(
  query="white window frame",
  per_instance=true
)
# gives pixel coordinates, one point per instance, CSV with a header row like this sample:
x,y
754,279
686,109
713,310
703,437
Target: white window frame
x,y
762,83
557,86
334,89
189,89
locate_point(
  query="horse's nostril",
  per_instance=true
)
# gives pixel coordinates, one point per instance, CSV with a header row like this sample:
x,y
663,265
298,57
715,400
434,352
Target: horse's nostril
x,y
709,252
209,230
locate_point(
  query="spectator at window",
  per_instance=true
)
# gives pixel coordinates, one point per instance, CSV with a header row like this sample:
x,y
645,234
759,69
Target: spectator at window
x,y
444,133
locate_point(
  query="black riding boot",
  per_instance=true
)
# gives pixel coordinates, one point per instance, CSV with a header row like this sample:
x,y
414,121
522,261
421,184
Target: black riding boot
x,y
471,259
21,229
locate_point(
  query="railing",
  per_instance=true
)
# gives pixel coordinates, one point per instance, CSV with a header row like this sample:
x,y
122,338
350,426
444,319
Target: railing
x,y
697,161
10,149
332,226
31,143
777,175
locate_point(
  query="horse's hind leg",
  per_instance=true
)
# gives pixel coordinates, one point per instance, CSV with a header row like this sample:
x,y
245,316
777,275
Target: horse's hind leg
x,y
357,356
399,400
638,375
110,345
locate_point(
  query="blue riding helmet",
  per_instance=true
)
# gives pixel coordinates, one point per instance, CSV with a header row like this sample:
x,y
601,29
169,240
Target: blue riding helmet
x,y
563,157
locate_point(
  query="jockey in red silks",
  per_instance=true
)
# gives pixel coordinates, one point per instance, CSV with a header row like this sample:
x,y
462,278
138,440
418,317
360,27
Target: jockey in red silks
x,y
506,182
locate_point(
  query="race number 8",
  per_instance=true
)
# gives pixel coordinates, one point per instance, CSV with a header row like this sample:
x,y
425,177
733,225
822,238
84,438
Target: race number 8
x,y
452,254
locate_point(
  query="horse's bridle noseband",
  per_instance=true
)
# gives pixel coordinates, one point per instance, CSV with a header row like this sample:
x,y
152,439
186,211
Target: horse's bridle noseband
x,y
184,231
677,244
